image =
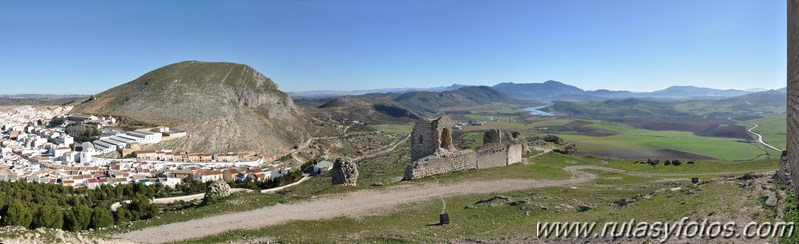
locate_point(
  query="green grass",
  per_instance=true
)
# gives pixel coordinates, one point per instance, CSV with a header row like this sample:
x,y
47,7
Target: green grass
x,y
413,222
773,129
504,125
699,167
394,128
475,137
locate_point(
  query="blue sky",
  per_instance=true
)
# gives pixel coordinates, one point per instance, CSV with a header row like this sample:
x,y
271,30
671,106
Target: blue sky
x,y
85,47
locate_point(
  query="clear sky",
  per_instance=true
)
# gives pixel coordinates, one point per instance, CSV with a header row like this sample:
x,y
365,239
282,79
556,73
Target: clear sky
x,y
85,47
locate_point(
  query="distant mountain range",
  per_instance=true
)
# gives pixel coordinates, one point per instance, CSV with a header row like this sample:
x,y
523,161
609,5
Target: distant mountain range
x,y
750,104
332,93
554,90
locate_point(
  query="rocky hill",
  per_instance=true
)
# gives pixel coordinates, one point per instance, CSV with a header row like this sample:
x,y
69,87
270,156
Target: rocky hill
x,y
223,106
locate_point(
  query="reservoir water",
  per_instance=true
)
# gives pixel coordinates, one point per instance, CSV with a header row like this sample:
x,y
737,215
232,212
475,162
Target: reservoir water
x,y
536,110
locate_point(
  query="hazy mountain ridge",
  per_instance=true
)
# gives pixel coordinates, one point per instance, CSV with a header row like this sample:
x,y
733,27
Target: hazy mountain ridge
x,y
554,90
766,102
335,93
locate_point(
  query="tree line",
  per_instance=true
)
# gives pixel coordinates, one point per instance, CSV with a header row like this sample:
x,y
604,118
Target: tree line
x,y
36,205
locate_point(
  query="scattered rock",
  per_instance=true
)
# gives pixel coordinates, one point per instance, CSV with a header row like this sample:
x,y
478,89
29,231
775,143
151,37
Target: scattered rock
x,y
583,208
749,176
505,198
520,202
771,201
622,202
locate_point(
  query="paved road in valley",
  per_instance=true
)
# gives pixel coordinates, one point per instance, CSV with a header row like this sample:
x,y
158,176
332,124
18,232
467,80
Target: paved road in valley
x,y
760,139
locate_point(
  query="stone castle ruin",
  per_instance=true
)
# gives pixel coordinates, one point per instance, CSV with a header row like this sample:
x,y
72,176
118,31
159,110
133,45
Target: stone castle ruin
x,y
792,154
432,151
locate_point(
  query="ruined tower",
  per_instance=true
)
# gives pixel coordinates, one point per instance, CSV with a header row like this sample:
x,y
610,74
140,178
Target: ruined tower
x,y
430,137
793,93
492,136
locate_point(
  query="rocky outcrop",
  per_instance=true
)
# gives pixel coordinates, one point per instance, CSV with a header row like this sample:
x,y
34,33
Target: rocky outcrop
x,y
553,139
224,107
217,189
570,149
344,172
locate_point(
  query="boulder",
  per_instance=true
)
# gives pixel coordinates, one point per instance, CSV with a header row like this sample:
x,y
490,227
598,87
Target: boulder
x,y
344,172
217,189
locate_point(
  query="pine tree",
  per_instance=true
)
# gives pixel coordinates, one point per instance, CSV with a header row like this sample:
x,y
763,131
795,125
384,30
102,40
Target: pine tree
x,y
17,214
101,218
48,216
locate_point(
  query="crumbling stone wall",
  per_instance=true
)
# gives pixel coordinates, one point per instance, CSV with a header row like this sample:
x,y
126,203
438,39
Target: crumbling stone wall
x,y
429,137
432,151
492,155
440,164
793,93
515,153
519,139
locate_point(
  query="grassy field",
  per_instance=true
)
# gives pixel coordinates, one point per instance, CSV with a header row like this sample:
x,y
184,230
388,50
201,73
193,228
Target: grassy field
x,y
773,129
632,139
518,216
394,128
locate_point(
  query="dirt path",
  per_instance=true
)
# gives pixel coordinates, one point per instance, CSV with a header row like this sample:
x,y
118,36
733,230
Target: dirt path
x,y
359,203
304,178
